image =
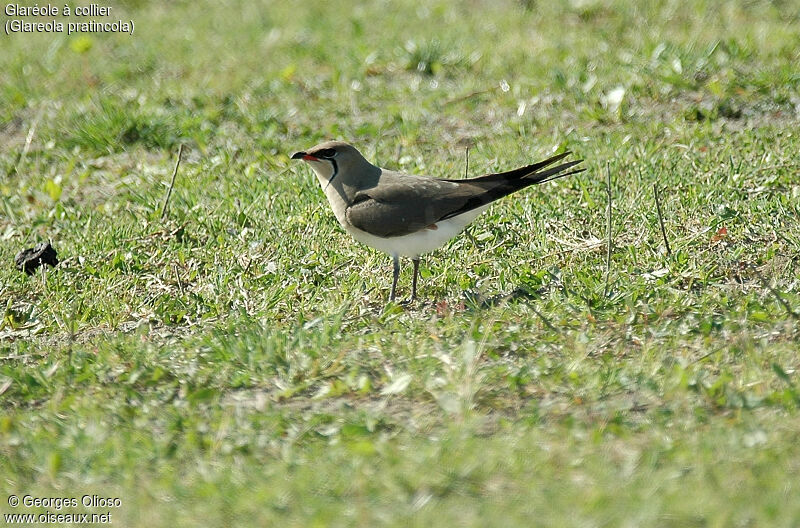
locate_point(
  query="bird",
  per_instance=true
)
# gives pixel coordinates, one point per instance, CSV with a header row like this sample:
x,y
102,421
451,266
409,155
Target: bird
x,y
409,215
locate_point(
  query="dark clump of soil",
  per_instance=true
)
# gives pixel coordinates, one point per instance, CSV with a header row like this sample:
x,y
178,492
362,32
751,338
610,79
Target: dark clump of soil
x,y
29,259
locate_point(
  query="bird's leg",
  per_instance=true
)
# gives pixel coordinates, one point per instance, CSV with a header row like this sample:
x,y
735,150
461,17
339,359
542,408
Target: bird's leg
x,y
395,275
414,280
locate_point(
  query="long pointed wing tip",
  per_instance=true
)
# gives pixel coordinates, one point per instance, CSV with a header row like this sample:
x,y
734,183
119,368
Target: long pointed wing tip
x,y
559,175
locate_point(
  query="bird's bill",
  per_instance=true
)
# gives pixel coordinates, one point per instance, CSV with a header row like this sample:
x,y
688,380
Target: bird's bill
x,y
305,157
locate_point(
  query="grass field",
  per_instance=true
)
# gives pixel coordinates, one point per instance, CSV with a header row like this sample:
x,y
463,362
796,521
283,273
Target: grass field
x,y
236,363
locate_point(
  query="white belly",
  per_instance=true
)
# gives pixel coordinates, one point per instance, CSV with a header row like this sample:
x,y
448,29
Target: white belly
x,y
421,242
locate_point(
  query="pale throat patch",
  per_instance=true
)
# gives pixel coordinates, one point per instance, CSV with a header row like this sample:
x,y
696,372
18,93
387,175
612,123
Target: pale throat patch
x,y
324,171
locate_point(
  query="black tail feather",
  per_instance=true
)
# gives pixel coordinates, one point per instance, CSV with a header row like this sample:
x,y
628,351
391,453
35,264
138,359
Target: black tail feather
x,y
515,174
557,176
499,185
544,176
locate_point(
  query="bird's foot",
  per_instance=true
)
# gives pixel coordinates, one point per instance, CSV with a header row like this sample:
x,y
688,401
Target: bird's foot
x,y
408,302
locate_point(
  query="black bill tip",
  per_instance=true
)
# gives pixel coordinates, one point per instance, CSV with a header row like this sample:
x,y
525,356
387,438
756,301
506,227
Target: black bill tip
x,y
298,155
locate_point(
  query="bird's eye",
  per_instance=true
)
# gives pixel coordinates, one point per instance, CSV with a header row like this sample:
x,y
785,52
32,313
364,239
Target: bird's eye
x,y
326,153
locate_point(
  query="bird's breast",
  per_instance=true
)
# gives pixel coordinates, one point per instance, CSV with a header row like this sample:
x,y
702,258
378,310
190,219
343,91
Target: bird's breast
x,y
337,202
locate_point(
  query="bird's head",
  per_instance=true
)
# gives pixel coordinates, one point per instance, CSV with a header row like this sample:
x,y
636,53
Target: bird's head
x,y
334,158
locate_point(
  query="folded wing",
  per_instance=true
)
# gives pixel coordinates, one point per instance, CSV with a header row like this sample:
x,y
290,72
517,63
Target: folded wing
x,y
402,204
